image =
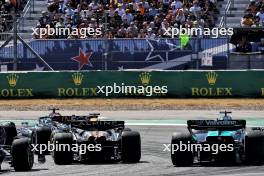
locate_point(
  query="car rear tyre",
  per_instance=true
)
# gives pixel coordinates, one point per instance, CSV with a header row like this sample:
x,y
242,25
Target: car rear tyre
x,y
131,146
63,157
22,154
10,131
181,158
254,147
41,136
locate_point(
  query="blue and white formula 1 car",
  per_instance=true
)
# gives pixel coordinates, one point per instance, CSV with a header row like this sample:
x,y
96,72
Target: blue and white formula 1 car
x,y
221,141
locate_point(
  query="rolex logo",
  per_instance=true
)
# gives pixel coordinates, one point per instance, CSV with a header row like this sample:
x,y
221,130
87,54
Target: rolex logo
x,y
145,78
77,78
12,79
211,78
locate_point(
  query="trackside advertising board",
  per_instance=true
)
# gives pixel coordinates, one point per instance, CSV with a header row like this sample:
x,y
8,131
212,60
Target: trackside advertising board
x,y
125,84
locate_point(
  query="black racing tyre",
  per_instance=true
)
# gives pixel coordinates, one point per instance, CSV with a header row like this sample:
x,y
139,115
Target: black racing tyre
x,y
63,157
10,131
181,158
2,135
131,146
40,136
22,154
254,147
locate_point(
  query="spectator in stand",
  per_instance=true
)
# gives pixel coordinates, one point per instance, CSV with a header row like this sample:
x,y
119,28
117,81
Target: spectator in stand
x,y
152,13
244,46
176,5
180,17
189,21
195,9
7,8
132,30
122,32
127,16
208,12
260,14
165,25
109,34
260,3
44,19
256,22
116,20
150,34
255,14
252,7
141,34
247,21
120,10
111,11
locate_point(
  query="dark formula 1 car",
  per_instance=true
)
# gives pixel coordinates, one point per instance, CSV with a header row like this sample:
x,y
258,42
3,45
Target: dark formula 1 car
x,y
15,148
103,140
234,142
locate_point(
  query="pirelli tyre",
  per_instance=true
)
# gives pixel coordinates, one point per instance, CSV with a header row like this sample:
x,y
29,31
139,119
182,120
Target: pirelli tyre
x,y
22,154
2,135
40,136
131,146
10,132
181,158
254,147
63,155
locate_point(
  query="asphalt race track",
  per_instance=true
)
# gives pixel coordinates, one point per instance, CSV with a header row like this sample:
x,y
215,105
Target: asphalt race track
x,y
154,160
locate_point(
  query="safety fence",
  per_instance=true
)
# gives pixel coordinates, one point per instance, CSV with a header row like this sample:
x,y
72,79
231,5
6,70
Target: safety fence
x,y
125,54
115,54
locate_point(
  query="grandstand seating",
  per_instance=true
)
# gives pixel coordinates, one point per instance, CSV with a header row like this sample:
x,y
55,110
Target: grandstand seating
x,y
142,19
128,18
234,13
254,14
31,17
7,9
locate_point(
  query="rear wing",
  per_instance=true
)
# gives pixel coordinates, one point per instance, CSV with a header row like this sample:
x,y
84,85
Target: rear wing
x,y
98,125
69,119
85,123
216,124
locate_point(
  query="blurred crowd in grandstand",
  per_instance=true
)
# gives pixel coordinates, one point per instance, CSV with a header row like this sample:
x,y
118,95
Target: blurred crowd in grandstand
x,y
7,9
127,18
254,16
245,46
